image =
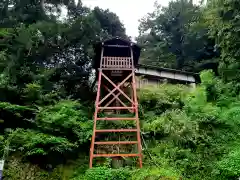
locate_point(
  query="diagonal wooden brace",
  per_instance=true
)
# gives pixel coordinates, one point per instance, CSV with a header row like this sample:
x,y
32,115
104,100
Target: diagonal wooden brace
x,y
112,100
116,88
115,97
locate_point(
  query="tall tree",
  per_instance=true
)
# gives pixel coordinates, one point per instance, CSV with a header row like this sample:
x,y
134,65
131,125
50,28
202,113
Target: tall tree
x,y
224,22
110,23
45,56
177,38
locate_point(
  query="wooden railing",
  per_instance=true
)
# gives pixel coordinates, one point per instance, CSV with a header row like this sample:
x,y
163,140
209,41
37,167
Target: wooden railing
x,y
117,62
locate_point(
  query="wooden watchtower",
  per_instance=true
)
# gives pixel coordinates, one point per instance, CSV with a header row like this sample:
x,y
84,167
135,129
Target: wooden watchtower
x,y
115,61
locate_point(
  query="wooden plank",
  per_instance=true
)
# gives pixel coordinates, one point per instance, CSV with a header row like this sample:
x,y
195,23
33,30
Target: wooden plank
x,y
117,62
116,119
117,68
116,155
117,142
116,130
116,108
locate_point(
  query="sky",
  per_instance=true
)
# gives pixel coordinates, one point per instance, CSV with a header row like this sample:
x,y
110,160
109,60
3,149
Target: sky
x,y
129,11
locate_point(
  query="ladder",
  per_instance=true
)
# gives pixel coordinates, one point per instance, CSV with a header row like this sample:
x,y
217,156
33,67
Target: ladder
x,y
129,82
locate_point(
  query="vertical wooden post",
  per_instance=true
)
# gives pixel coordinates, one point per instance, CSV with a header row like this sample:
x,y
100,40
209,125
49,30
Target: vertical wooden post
x,y
96,111
95,118
136,112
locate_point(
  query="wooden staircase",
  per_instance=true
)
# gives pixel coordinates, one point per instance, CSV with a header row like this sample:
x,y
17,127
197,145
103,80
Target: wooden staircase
x,y
131,106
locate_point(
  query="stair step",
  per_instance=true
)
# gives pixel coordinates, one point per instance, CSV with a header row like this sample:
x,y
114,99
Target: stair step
x,y
116,119
117,142
116,155
116,130
117,108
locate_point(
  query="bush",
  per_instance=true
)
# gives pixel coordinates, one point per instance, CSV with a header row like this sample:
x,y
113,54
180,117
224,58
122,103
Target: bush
x,y
152,173
104,173
66,118
2,145
13,115
229,166
193,135
16,169
33,143
99,173
158,99
121,174
188,134
14,110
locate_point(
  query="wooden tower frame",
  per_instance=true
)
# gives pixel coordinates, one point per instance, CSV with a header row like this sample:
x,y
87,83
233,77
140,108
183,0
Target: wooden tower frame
x,y
116,69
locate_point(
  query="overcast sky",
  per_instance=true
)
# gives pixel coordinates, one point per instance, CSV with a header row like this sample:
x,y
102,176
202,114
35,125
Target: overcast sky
x,y
129,11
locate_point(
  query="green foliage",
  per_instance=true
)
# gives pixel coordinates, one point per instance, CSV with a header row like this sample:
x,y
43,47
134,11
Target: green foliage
x,y
229,165
198,107
2,145
121,174
11,112
33,92
99,173
111,26
35,143
13,108
66,118
176,125
160,98
223,20
46,60
176,37
152,173
16,169
194,136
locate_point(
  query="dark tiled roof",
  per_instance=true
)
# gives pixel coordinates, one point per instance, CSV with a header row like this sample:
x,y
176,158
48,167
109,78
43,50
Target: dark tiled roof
x,y
195,75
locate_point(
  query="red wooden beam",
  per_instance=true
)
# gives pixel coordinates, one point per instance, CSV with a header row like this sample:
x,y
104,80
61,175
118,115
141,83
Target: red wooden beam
x,y
116,155
136,111
95,119
117,142
116,130
115,119
117,108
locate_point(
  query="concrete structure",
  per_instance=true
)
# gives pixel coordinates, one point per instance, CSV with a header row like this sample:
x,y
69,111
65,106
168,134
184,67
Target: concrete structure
x,y
154,75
